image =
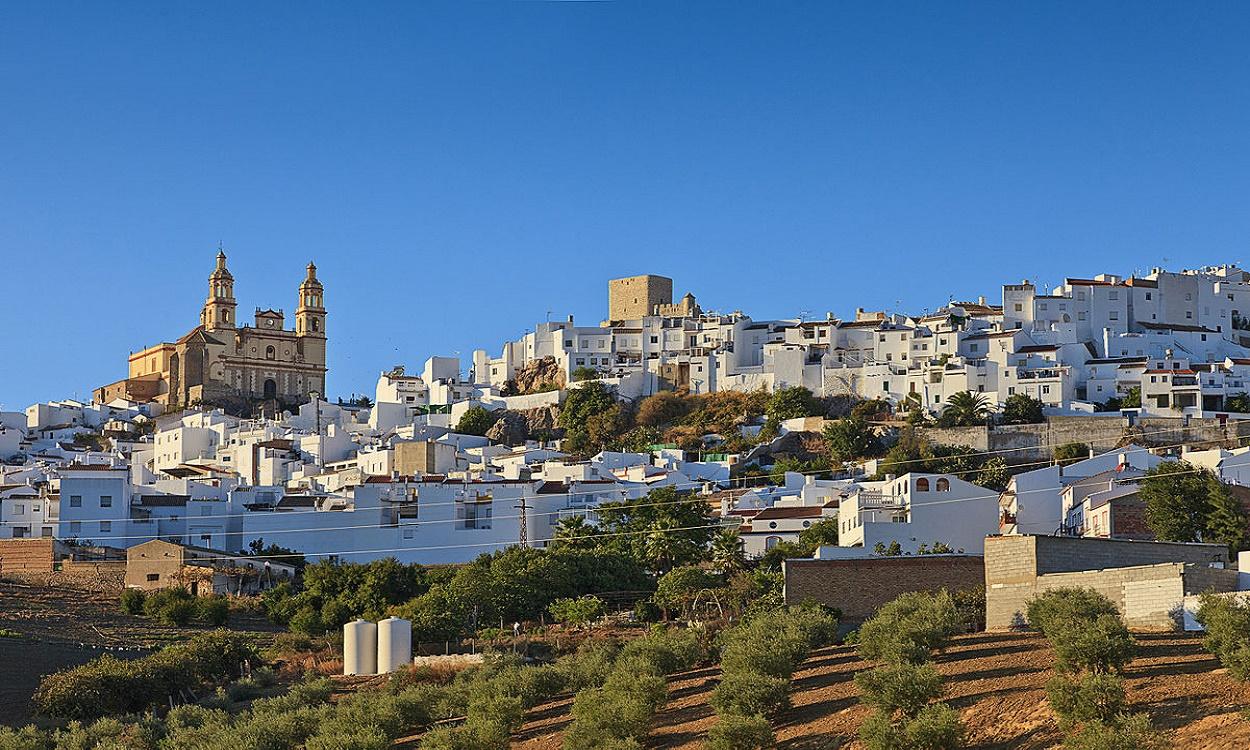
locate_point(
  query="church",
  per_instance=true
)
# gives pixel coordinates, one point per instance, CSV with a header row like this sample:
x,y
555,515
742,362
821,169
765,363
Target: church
x,y
244,369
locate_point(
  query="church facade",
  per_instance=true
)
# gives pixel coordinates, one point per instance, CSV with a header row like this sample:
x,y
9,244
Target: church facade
x,y
242,368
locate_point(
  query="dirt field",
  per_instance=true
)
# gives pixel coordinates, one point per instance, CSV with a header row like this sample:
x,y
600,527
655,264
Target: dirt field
x,y
996,681
62,627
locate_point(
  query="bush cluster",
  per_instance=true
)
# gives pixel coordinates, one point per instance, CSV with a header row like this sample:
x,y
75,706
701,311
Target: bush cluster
x,y
758,658
1092,646
109,686
905,689
617,714
176,606
1227,623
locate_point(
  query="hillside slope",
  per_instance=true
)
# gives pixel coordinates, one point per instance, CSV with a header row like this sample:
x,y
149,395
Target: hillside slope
x,y
997,681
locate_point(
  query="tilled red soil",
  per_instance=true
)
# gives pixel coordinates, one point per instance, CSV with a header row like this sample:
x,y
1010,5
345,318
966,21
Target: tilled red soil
x,y
996,681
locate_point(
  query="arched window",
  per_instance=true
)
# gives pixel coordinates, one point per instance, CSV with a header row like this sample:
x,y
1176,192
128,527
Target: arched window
x,y
270,352
771,542
922,485
315,325
943,484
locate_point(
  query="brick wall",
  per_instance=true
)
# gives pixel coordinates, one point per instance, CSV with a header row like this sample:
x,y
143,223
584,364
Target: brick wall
x,y
860,587
1128,518
26,555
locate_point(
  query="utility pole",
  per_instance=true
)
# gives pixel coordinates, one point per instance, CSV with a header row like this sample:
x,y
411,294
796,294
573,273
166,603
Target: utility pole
x,y
523,536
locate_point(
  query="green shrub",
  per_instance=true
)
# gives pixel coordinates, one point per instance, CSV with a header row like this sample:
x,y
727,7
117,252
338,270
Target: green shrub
x,y
905,688
970,605
670,650
935,727
213,610
132,601
772,644
747,693
600,716
1089,697
589,666
349,738
178,612
737,732
1054,612
579,612
1227,624
1124,733
909,628
308,621
647,611
110,686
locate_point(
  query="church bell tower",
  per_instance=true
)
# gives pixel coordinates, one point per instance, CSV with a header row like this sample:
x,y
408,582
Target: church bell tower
x,y
218,312
310,319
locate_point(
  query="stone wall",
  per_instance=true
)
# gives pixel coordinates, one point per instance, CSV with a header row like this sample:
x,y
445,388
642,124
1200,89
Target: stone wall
x,y
1027,443
860,587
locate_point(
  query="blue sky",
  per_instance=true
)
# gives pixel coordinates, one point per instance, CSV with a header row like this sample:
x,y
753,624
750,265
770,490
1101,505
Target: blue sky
x,y
458,170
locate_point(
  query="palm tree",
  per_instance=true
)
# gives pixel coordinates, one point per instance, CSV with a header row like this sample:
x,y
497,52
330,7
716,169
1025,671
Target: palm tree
x,y
574,533
965,409
726,551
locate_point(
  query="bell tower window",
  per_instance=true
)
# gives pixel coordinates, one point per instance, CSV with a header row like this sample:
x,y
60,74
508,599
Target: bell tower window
x,y
270,352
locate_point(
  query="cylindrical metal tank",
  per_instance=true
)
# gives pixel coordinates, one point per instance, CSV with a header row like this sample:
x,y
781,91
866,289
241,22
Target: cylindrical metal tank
x,y
394,644
360,647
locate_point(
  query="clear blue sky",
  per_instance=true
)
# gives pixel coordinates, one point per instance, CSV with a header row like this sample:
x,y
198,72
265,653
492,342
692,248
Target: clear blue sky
x,y
457,170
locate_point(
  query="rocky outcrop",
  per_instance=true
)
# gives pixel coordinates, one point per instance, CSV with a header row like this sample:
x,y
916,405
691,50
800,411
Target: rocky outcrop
x,y
538,376
544,419
511,428
802,446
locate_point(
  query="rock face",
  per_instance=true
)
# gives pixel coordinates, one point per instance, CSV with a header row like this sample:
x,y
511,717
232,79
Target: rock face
x,y
542,419
511,428
538,376
804,446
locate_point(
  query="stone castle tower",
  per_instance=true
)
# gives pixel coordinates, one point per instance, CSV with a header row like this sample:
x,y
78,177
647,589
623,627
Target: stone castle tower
x,y
238,367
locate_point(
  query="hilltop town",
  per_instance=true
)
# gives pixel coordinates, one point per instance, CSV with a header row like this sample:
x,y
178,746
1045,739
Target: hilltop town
x,y
706,465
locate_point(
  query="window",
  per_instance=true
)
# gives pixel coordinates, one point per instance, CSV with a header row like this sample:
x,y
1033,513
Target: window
x,y
106,526
885,386
75,527
1113,315
153,577
1019,307
75,501
922,485
106,501
1147,296
46,532
270,352
408,533
973,347
943,484
19,510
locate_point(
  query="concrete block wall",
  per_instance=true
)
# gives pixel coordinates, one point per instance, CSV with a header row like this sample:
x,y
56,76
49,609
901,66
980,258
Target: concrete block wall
x,y
1018,559
1150,597
859,587
1143,594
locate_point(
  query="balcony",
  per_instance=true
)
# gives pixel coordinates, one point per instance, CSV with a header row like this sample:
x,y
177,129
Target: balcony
x,y
869,499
